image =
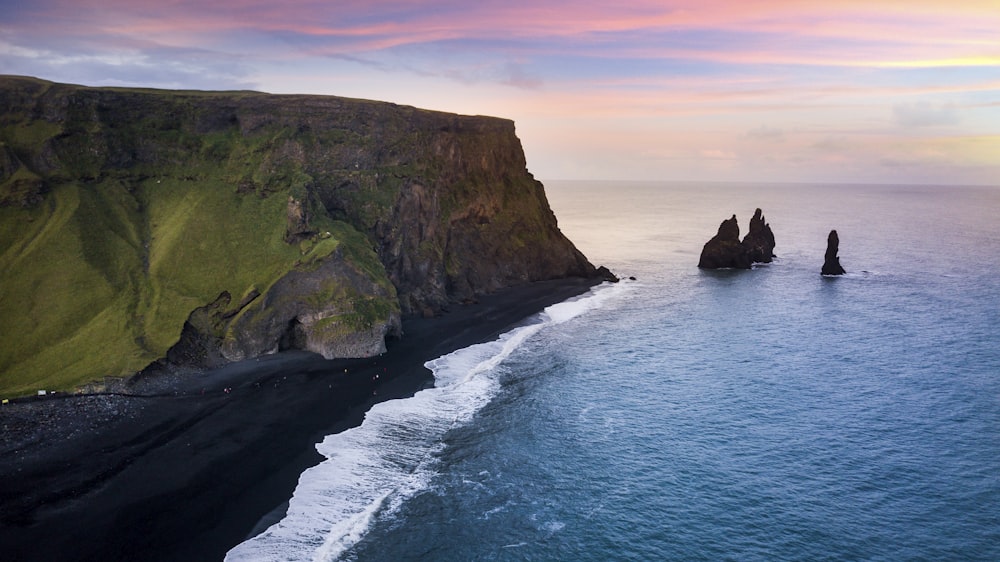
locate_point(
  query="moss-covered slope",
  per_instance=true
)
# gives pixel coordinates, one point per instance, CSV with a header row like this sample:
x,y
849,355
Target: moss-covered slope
x,y
211,226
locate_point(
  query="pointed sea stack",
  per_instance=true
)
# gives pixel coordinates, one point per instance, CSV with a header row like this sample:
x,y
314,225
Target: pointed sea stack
x,y
724,249
831,266
759,242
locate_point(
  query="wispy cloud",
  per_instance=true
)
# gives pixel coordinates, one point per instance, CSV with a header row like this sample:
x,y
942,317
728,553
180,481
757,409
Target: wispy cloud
x,y
766,133
871,74
925,115
872,33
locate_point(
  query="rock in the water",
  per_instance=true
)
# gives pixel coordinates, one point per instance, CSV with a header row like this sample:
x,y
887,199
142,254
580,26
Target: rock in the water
x,y
605,274
759,242
831,266
724,250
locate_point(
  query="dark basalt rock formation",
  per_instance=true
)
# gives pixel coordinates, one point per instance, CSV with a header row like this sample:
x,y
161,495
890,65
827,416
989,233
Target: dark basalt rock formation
x,y
759,242
831,266
725,250
605,274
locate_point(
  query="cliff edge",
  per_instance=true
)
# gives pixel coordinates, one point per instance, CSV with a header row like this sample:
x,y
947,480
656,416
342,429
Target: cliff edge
x,y
205,227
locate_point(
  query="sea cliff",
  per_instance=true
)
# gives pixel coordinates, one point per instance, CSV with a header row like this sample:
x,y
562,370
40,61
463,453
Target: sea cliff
x,y
145,227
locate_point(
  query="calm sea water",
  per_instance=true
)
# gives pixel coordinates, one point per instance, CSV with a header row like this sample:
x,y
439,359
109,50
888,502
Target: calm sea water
x,y
771,414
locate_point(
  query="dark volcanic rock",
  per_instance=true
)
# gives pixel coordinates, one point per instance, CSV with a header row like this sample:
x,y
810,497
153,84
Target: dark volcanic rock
x,y
831,266
298,222
759,242
724,250
605,274
17,189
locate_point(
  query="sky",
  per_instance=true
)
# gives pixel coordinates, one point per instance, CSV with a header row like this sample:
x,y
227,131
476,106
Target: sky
x,y
844,91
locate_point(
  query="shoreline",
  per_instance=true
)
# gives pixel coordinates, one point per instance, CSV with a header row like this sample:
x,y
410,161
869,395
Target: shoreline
x,y
191,471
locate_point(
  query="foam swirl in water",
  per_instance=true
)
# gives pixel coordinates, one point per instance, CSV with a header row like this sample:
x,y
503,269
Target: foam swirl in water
x,y
392,455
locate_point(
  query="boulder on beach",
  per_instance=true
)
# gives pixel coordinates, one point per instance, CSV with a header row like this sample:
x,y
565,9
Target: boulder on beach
x,y
831,266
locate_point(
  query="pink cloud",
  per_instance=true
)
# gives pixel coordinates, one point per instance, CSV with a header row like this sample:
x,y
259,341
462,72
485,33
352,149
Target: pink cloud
x,y
861,33
688,78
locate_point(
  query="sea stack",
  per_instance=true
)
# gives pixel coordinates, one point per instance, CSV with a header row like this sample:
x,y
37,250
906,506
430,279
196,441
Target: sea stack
x,y
724,250
759,242
831,266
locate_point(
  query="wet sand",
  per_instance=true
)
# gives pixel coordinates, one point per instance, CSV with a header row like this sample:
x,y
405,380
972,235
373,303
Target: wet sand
x,y
187,473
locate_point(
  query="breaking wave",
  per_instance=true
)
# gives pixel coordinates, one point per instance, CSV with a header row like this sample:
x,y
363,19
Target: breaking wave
x,y
393,454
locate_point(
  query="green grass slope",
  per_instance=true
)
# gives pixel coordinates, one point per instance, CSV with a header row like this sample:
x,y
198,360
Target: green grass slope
x,y
89,286
138,222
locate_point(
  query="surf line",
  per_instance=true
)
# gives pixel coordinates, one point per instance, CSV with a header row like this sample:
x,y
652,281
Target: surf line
x,y
373,468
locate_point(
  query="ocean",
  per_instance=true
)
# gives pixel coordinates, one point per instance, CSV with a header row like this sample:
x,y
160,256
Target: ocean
x,y
770,414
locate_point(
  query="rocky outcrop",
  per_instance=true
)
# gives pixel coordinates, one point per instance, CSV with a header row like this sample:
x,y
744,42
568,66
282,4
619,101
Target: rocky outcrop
x,y
210,226
831,264
759,241
21,187
298,228
725,250
332,310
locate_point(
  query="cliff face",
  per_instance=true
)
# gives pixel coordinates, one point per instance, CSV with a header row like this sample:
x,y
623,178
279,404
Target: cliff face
x,y
214,226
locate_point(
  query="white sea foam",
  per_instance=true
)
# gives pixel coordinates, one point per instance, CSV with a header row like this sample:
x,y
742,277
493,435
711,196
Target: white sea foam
x,y
567,310
392,455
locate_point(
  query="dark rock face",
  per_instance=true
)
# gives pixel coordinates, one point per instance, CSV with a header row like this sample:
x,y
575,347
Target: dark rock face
x,y
725,250
831,265
291,316
298,228
20,187
759,242
605,274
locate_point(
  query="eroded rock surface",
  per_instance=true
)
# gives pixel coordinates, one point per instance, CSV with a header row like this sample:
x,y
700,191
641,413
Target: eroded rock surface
x,y
726,251
759,241
831,263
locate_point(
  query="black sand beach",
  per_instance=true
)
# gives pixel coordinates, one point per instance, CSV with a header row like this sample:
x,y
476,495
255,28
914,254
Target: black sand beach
x,y
189,472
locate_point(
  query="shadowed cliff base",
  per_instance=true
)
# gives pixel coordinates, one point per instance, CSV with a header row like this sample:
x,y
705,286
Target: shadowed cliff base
x,y
187,476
